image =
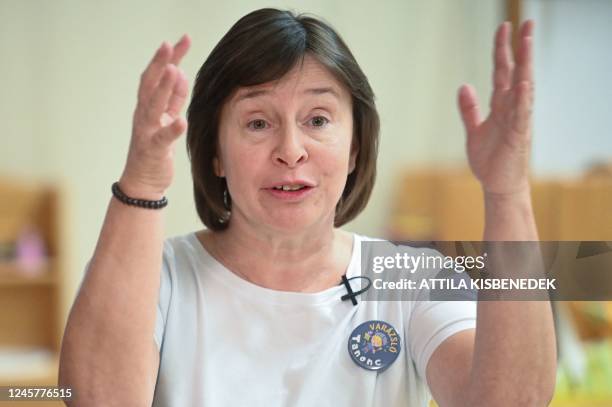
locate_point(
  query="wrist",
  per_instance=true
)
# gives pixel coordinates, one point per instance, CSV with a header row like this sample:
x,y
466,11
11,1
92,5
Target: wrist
x,y
137,202
509,216
139,190
519,197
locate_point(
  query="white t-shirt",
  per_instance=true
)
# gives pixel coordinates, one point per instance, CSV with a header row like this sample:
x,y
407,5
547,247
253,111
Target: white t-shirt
x,y
227,342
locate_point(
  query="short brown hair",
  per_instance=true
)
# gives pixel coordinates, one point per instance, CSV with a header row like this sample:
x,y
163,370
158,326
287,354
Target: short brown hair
x,y
261,47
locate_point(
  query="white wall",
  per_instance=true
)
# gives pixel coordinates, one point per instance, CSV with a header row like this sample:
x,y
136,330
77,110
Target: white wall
x,y
573,73
70,71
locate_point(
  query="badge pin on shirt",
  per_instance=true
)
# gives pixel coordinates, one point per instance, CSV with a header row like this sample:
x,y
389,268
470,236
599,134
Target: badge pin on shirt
x,y
374,345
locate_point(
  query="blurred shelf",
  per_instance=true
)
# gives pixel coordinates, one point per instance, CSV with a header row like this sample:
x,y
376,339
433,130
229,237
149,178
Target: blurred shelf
x,y
31,367
11,274
28,366
31,316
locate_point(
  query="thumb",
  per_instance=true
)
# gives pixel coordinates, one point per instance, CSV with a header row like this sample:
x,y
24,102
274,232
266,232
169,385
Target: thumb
x,y
468,107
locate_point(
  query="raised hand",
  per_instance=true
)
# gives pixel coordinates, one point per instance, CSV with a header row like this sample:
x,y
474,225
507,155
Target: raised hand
x,y
499,147
157,123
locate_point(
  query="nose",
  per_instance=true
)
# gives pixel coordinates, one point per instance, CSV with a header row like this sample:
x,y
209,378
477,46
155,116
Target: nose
x,y
290,150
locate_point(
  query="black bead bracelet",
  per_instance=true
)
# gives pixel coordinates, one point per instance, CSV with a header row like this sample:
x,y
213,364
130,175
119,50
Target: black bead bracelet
x,y
142,203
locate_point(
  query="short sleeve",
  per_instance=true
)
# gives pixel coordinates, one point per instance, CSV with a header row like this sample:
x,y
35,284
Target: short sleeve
x,y
431,322
165,291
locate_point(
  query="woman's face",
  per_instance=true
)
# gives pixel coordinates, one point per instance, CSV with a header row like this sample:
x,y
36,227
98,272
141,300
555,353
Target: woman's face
x,y
285,149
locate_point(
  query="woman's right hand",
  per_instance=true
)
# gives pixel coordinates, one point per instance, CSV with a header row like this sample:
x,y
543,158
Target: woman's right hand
x,y
157,124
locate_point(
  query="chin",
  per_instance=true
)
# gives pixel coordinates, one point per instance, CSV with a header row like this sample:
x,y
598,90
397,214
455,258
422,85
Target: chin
x,y
289,222
290,226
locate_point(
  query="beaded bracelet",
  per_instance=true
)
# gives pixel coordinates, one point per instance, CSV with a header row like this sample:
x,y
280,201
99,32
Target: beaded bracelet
x,y
142,203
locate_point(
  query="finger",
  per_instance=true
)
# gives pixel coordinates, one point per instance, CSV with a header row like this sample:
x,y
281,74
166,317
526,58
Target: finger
x,y
166,135
179,95
523,109
524,69
527,28
152,74
468,106
502,58
180,49
159,100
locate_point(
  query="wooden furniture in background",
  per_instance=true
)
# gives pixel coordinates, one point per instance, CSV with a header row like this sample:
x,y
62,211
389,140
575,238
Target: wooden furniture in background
x,y
514,13
437,204
447,204
31,323
585,210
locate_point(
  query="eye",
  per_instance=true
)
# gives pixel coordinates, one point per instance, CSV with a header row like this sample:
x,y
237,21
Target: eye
x,y
319,121
257,124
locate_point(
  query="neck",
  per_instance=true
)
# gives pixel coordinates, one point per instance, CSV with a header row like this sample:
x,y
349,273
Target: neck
x,y
310,261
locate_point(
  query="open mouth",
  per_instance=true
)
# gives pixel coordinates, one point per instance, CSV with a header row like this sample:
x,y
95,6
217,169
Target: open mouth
x,y
290,188
290,192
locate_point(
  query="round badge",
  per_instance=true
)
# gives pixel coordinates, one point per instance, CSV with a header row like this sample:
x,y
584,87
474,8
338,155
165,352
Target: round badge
x,y
374,345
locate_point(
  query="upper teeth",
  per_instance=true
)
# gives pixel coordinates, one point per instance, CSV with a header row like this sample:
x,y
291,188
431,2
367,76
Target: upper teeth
x,y
289,187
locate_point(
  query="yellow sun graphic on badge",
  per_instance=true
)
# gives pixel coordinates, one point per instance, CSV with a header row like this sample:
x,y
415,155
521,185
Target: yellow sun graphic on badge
x,y
376,341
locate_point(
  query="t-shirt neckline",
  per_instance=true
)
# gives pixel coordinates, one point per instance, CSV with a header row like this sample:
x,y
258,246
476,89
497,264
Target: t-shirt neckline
x,y
263,294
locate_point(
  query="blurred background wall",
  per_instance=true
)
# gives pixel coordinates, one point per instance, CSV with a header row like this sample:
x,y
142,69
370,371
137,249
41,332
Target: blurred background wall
x,y
572,123
70,70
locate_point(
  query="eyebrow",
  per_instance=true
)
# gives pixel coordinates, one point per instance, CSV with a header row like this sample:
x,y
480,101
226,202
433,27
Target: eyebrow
x,y
314,91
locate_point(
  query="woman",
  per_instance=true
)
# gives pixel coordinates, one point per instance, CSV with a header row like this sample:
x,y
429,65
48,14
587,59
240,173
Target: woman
x,y
282,138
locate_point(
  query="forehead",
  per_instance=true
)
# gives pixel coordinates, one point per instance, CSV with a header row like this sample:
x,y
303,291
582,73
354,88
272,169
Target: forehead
x,y
307,78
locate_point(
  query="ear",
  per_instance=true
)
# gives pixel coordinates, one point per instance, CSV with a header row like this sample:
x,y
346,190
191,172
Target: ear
x,y
218,167
353,156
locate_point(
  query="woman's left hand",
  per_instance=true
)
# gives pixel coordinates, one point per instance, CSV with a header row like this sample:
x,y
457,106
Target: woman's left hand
x,y
499,147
